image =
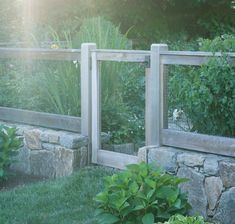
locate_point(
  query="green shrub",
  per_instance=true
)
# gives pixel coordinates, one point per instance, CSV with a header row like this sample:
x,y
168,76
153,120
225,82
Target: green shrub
x,y
9,144
180,219
6,88
140,194
55,87
207,93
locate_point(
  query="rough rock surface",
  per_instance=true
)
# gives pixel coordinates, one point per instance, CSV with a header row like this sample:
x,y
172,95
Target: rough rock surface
x,y
226,210
213,187
227,173
195,190
163,157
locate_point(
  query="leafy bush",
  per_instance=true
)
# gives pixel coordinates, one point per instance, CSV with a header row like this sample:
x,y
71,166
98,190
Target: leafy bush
x,y
122,83
54,87
9,144
180,219
140,194
206,94
7,96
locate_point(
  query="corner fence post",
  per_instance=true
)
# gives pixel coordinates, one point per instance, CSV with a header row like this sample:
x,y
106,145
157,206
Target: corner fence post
x,y
155,103
86,106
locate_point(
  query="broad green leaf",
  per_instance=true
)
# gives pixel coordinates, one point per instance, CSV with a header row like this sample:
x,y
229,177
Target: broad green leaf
x,y
167,192
99,211
150,183
150,193
148,218
107,218
138,207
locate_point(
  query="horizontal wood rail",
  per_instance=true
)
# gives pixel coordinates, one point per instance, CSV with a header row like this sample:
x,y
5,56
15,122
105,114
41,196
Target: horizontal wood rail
x,y
190,57
115,159
46,120
199,142
123,55
41,54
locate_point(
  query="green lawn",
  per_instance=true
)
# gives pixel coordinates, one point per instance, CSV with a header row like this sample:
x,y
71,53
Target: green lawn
x,y
67,200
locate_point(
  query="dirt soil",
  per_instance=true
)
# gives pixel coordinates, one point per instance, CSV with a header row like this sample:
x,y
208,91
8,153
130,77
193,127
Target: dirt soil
x,y
16,179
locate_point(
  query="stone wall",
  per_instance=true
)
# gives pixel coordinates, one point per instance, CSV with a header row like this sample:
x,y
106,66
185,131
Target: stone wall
x,y
211,185
49,153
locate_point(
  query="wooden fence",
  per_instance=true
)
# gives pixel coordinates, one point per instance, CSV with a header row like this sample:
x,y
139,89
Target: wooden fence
x,y
156,108
157,132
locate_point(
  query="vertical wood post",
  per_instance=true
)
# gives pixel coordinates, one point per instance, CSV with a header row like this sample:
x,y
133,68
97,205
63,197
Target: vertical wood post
x,y
96,108
154,117
86,106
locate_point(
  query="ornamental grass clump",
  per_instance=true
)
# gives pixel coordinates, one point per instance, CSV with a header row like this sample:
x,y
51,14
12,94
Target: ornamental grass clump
x,y
140,194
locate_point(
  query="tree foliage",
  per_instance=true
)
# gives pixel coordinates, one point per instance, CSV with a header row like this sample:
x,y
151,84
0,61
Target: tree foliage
x,y
149,21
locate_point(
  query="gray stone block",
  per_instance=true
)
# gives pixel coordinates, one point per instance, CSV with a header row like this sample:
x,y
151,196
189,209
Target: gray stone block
x,y
211,166
22,161
22,128
73,141
42,163
48,146
195,190
164,157
53,136
63,161
81,157
227,173
213,188
226,209
44,137
32,139
191,159
143,154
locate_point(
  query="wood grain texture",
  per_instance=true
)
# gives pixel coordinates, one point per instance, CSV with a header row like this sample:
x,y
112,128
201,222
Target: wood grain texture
x,y
154,97
199,142
96,108
41,54
46,120
115,159
86,105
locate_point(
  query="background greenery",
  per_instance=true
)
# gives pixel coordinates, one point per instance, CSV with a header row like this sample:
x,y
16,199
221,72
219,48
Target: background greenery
x,y
150,20
121,24
206,94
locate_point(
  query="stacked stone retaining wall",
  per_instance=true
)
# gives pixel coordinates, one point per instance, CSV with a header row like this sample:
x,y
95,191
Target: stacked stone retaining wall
x,y
49,153
211,185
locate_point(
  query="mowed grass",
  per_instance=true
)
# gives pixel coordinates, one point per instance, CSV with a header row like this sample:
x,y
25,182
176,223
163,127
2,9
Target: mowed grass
x,y
66,200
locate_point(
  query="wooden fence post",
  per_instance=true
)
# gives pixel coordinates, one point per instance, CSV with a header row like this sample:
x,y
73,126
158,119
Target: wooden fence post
x,y
86,106
154,118
96,108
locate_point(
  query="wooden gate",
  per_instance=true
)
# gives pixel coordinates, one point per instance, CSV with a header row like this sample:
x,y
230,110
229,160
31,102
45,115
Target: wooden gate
x,y
91,97
100,156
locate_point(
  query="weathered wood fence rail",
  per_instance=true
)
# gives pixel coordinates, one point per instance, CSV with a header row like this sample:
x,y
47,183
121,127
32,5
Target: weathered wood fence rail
x,y
41,54
157,132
